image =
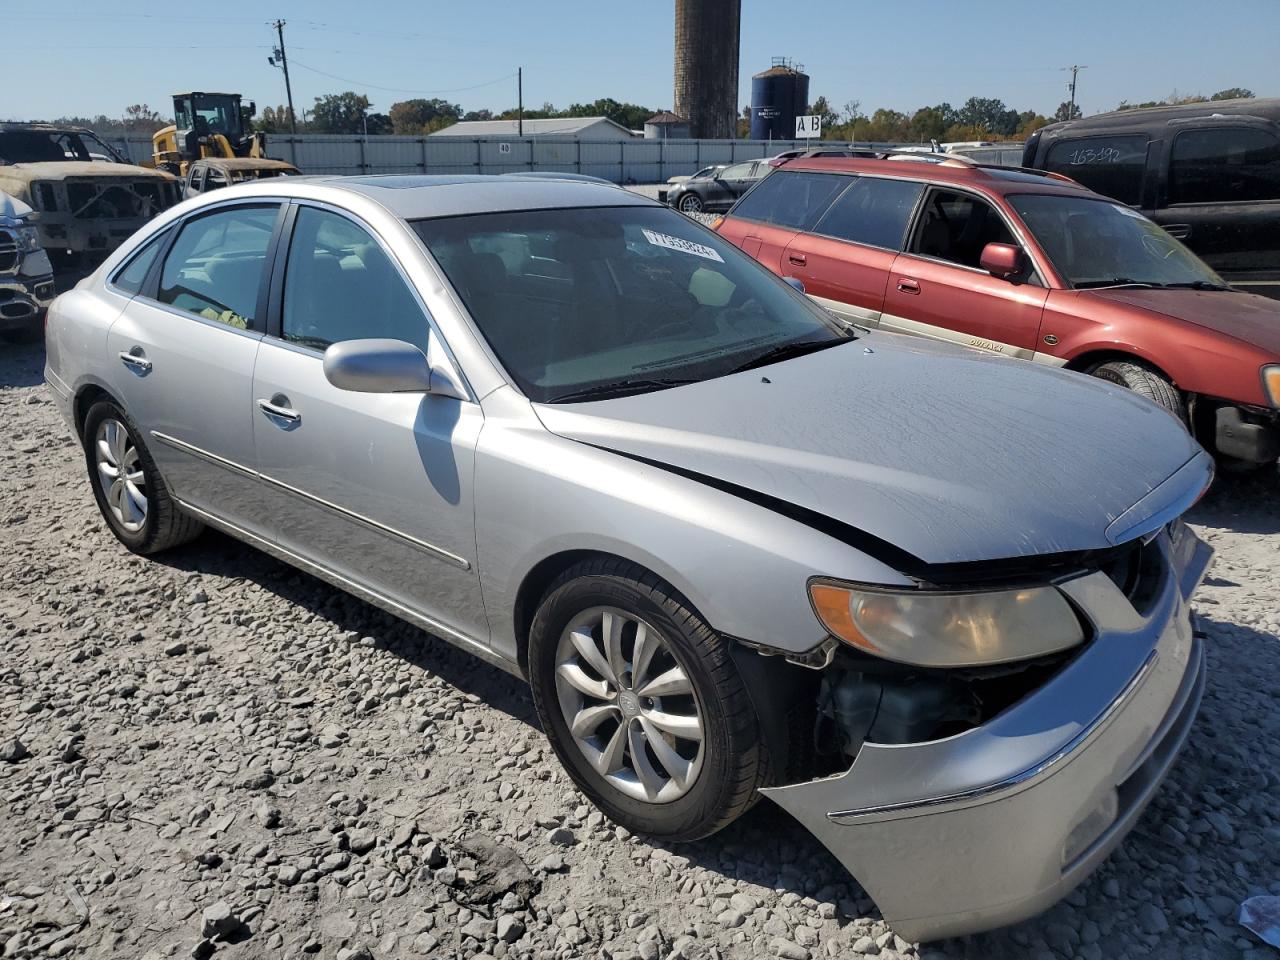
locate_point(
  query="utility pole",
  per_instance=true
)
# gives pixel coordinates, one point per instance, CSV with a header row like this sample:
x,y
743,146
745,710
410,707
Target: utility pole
x,y
284,64
520,101
1074,68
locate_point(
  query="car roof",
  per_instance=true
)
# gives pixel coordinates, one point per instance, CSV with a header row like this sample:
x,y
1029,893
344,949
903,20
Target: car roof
x,y
1153,120
993,179
418,197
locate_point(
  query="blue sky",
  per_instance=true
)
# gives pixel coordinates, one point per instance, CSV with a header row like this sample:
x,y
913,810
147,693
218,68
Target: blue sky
x,y
83,59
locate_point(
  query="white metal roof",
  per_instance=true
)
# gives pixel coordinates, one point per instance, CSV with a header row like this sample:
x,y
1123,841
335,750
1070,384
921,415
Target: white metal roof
x,y
558,126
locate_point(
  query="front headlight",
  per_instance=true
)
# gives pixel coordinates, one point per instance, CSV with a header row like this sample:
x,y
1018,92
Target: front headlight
x,y
28,239
1271,383
948,629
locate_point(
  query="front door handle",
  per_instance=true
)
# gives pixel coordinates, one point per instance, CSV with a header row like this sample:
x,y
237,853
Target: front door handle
x,y
280,409
907,285
136,360
799,259
1179,231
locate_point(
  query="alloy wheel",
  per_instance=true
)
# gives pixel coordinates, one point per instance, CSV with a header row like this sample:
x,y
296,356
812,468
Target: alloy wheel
x,y
629,705
691,203
124,484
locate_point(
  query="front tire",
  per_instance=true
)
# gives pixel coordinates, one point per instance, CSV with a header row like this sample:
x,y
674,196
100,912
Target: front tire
x,y
690,203
127,486
642,703
1144,381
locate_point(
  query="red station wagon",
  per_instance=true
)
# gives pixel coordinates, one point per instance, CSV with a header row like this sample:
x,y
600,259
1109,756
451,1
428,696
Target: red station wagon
x,y
1029,265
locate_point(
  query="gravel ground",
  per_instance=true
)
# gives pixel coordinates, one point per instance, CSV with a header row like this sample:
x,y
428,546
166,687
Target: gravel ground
x,y
210,753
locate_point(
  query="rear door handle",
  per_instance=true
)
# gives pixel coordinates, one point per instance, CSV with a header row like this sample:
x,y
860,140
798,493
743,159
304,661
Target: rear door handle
x,y
280,410
1179,231
799,259
907,285
136,360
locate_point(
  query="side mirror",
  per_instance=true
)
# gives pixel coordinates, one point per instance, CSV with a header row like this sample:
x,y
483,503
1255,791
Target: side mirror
x,y
1002,260
392,366
794,282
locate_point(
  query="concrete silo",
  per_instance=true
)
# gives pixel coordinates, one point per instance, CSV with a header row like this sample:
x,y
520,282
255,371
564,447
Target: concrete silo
x,y
706,65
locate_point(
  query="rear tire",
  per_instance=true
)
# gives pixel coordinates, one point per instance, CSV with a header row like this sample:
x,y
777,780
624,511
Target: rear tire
x,y
127,485
1144,381
680,788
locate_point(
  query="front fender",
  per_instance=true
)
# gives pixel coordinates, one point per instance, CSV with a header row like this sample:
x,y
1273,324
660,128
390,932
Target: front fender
x,y
742,566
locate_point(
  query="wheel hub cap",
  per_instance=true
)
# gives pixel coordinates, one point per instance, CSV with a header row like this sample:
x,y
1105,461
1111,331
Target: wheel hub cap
x,y
629,705
119,467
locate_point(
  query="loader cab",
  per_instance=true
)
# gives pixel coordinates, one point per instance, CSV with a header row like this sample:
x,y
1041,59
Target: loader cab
x,y
199,117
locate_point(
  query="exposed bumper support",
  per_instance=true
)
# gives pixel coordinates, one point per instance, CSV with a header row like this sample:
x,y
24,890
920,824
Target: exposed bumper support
x,y
993,825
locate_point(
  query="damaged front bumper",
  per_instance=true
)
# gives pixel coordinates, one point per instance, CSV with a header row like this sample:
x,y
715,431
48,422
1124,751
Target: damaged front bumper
x,y
26,286
995,824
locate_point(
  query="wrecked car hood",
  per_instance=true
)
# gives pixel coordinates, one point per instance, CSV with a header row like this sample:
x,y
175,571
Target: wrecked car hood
x,y
62,169
1245,316
949,454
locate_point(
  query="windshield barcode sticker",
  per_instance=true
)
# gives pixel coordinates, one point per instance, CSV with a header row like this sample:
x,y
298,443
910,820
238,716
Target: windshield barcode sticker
x,y
684,246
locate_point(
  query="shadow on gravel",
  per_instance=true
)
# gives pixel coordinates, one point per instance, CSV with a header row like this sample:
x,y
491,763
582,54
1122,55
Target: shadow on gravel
x,y
1243,502
21,364
224,556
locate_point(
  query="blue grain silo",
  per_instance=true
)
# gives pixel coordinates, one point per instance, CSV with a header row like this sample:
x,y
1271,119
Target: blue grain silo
x,y
778,96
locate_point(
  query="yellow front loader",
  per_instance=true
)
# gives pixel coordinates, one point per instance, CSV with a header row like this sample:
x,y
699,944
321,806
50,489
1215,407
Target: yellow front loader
x,y
206,125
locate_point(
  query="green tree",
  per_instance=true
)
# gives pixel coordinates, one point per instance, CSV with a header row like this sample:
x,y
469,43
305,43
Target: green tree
x,y
989,114
140,118
930,123
275,120
339,113
820,108
1233,93
1068,111
478,115
423,116
1028,123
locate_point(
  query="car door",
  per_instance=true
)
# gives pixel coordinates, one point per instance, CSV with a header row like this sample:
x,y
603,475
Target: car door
x,y
1222,199
766,220
733,182
938,289
844,261
376,488
183,351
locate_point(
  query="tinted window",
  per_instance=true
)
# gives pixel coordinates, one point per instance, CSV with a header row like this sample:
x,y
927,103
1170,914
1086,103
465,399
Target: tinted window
x,y
791,199
1224,165
956,226
872,211
339,285
215,267
1113,166
613,298
132,277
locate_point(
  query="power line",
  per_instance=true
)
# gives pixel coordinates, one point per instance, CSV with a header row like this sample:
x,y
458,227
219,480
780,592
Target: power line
x,y
1075,69
374,86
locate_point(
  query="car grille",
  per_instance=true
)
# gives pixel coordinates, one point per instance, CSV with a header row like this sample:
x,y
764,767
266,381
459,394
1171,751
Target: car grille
x,y
8,252
117,199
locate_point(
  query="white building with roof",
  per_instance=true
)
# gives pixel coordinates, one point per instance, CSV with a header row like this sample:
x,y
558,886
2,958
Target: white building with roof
x,y
584,128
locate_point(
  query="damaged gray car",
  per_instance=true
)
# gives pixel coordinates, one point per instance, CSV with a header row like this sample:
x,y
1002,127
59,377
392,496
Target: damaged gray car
x,y
82,205
931,602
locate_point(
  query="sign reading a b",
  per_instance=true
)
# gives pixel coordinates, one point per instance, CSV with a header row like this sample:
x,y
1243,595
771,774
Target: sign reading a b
x,y
807,127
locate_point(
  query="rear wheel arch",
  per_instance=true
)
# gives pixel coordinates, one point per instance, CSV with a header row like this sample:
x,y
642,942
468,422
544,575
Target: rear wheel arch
x,y
85,398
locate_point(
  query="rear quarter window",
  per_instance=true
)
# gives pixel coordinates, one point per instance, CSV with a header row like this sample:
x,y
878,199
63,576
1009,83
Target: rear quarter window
x,y
1111,166
794,200
872,211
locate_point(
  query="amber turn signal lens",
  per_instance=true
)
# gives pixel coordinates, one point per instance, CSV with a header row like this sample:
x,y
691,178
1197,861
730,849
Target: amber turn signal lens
x,y
1271,383
715,224
832,605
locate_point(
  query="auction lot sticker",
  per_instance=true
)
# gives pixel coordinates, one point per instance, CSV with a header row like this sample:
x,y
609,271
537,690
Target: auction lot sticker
x,y
684,246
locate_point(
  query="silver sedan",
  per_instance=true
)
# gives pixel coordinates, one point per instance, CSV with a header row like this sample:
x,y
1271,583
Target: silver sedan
x,y
931,602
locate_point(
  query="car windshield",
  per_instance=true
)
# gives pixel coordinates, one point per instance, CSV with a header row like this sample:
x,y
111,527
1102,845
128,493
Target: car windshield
x,y
43,146
1098,243
592,302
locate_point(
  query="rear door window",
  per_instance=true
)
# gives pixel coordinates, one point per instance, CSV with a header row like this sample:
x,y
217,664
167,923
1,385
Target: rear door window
x,y
1111,166
872,211
216,266
134,275
794,200
1224,165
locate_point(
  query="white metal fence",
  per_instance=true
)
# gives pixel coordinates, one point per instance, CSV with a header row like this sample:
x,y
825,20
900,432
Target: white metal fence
x,y
622,161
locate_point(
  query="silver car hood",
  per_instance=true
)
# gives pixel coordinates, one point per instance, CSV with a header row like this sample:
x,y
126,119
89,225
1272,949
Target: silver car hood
x,y
948,454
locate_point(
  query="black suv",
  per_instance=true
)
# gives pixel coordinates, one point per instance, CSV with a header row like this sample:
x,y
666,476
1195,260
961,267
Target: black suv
x,y
1209,173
